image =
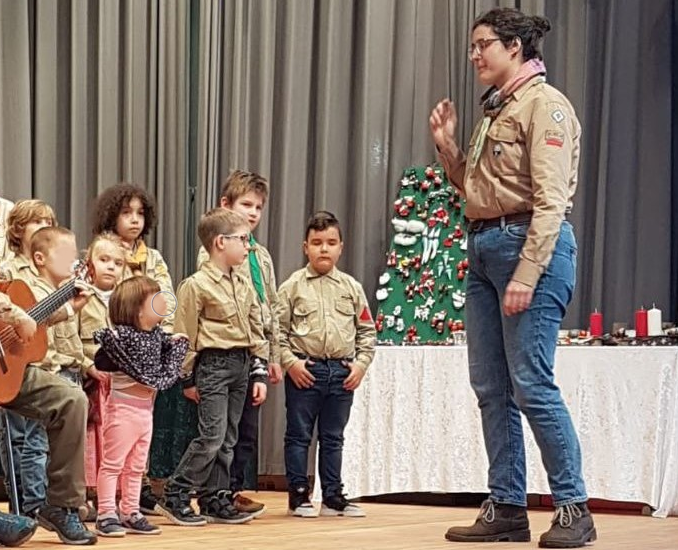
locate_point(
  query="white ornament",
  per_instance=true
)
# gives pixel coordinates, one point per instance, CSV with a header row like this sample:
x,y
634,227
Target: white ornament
x,y
384,278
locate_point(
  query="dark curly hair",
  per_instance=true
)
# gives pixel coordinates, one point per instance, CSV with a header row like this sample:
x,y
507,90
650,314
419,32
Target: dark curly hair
x,y
509,23
111,201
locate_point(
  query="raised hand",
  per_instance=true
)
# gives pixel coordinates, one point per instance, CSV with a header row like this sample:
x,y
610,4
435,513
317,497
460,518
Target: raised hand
x,y
443,123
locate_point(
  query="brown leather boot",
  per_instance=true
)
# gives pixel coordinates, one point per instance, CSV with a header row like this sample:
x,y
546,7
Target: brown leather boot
x,y
571,527
495,523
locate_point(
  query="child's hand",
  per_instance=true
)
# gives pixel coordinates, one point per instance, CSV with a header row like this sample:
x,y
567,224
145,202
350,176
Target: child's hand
x,y
274,373
258,393
353,380
179,336
192,394
96,374
84,293
25,329
300,375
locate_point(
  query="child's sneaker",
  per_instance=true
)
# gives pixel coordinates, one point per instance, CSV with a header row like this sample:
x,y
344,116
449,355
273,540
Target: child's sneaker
x,y
177,509
299,504
337,505
248,506
15,530
137,524
110,526
148,502
67,525
219,509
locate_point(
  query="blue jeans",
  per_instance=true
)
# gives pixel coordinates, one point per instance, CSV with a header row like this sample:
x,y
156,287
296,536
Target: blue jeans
x,y
30,449
511,364
328,403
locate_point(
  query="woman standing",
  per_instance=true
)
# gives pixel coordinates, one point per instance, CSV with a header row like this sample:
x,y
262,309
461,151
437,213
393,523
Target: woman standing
x,y
519,179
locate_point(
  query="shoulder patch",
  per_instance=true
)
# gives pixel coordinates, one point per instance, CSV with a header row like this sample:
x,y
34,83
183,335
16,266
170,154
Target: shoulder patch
x,y
558,115
555,138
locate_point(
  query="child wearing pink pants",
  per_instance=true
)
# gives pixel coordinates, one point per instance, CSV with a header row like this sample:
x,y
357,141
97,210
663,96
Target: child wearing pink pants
x,y
142,359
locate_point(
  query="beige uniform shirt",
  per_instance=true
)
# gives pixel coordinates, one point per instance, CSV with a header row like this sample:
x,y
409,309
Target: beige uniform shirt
x,y
269,319
5,207
324,316
220,311
19,267
92,317
64,347
528,163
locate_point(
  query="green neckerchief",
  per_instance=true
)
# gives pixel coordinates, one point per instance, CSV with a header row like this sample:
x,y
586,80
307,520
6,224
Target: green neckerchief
x,y
255,271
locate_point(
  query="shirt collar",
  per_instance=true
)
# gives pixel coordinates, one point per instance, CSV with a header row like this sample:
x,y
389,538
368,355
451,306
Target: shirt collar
x,y
313,274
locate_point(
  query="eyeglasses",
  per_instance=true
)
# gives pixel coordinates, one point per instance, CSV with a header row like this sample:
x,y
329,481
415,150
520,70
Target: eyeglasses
x,y
244,238
479,47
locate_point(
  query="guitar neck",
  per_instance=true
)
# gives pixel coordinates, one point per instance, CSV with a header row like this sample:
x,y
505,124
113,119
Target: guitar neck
x,y
42,311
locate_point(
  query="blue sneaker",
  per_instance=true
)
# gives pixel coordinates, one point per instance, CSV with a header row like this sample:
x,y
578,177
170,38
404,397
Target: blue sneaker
x,y
67,525
15,530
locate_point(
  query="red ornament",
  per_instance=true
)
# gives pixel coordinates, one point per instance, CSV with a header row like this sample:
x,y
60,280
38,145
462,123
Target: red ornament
x,y
461,275
429,172
447,242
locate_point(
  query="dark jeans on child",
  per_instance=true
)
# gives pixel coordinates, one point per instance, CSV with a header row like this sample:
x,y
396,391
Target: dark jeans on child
x,y
328,403
221,380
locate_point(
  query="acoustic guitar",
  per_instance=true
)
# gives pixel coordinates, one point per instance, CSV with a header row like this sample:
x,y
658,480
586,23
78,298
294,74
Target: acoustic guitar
x,y
14,356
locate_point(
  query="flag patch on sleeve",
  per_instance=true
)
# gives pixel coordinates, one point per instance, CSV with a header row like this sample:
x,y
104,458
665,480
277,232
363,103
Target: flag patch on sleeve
x,y
365,315
554,138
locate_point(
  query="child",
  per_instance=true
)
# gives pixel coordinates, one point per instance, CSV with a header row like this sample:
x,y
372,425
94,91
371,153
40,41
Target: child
x,y
130,212
246,193
29,439
221,315
142,358
106,259
327,339
24,219
56,401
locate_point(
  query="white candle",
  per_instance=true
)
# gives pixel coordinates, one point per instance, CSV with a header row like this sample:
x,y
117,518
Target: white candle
x,y
654,322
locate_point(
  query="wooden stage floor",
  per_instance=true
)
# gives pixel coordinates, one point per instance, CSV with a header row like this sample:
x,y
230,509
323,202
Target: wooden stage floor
x,y
386,527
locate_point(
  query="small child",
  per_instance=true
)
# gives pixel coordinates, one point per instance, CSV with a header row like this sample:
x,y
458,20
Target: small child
x,y
106,260
142,359
220,313
246,193
327,339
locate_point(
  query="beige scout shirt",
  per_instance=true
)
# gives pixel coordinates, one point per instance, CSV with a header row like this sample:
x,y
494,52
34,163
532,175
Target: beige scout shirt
x,y
19,267
220,311
269,319
5,207
324,316
92,317
529,162
64,347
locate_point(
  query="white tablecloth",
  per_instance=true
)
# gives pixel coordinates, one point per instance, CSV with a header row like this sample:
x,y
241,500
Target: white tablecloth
x,y
415,425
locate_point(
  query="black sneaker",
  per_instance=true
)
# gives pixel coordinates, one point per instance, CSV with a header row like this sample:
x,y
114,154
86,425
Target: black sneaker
x,y
219,509
571,527
495,523
148,502
337,505
15,530
67,525
177,508
299,503
137,524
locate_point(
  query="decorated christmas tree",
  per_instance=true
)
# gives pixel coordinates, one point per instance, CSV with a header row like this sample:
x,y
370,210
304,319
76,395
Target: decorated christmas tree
x,y
422,291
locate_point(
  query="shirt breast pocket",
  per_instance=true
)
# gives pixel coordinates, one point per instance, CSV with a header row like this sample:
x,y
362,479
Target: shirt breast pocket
x,y
505,149
221,313
345,317
304,317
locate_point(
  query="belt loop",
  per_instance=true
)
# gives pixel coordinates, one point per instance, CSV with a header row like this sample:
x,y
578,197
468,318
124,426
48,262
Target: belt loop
x,y
502,222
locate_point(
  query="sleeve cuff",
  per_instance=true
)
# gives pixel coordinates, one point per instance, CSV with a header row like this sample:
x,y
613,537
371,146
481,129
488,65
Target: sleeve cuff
x,y
527,273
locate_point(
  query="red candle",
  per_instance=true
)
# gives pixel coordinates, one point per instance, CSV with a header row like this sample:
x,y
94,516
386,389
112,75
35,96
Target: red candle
x,y
596,323
641,322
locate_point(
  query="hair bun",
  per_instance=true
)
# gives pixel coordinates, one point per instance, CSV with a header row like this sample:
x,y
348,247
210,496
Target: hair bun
x,y
541,25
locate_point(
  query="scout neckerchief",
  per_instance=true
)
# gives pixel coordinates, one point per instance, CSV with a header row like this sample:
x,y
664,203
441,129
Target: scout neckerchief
x,y
136,259
255,270
494,99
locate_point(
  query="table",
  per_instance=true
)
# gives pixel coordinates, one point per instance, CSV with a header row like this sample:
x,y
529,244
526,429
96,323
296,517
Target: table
x,y
415,425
